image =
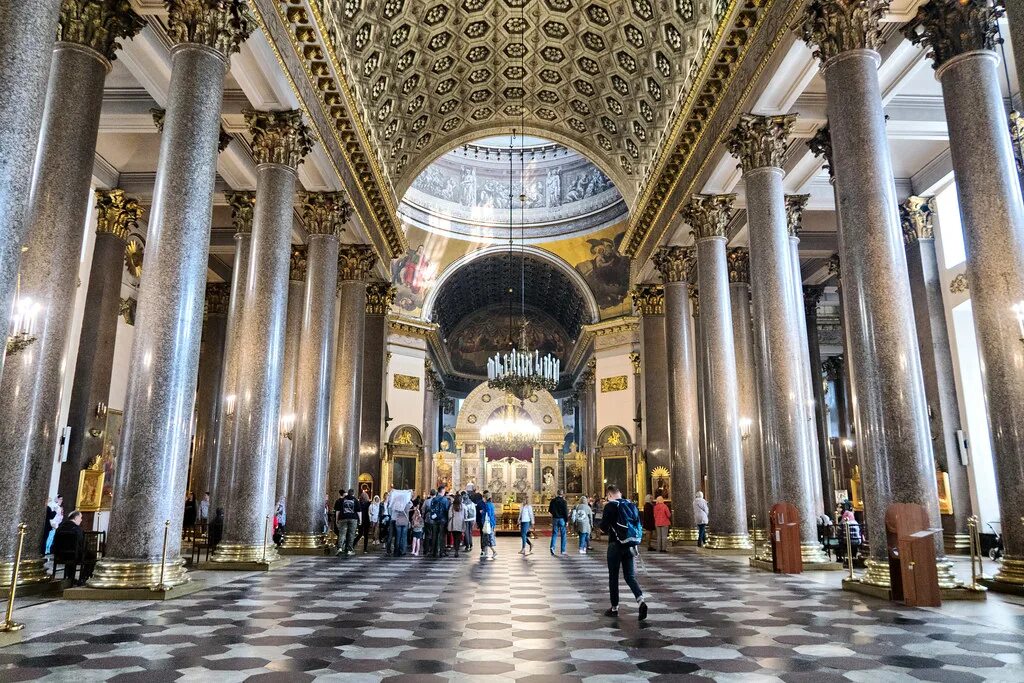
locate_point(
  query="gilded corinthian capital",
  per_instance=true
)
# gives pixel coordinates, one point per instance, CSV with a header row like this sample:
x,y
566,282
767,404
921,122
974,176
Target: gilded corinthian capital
x,y
297,263
355,261
379,297
243,207
821,146
674,263
117,214
916,217
795,204
324,213
832,27
648,299
708,215
738,260
949,28
760,141
279,137
222,25
218,296
98,24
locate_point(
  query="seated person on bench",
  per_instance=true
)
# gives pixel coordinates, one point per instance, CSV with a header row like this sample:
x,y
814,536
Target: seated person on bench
x,y
69,549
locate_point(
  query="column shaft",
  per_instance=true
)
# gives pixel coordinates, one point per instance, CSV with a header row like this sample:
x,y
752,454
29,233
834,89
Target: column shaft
x,y
289,381
750,421
811,296
684,425
208,391
372,411
654,386
347,394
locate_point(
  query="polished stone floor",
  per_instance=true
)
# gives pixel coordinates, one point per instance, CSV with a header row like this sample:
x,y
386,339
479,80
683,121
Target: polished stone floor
x,y
370,618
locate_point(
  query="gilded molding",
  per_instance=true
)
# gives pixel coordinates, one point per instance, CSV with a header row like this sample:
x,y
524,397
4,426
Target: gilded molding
x,y
634,358
1017,139
916,217
279,137
648,299
297,263
948,28
218,296
694,294
708,215
738,260
379,297
821,146
117,214
243,209
325,213
835,267
416,329
832,27
795,205
222,25
760,141
674,263
355,261
959,285
98,24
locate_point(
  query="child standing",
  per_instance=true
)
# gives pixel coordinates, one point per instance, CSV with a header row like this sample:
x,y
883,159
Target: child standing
x,y
417,529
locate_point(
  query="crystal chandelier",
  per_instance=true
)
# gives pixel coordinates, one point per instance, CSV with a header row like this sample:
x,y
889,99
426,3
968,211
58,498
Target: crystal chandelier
x,y
509,432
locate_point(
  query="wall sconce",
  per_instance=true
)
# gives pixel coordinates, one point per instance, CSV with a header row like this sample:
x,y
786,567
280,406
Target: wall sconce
x,y
745,424
101,409
288,426
229,404
23,325
847,445
1018,310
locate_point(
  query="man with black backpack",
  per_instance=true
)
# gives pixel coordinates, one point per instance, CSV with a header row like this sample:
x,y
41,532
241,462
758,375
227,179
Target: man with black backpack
x,y
621,522
437,517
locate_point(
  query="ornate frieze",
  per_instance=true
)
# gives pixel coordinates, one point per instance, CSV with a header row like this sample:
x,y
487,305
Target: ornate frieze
x,y
916,216
218,296
708,215
379,297
954,27
222,25
98,24
117,213
324,213
821,146
674,263
297,264
795,204
355,261
279,137
648,299
760,141
243,208
739,264
832,27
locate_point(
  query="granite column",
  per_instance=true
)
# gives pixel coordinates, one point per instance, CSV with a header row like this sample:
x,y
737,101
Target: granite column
x,y
698,343
208,390
153,466
649,303
708,216
379,296
292,333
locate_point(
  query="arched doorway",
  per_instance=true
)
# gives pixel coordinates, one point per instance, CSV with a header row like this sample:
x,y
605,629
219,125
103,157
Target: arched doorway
x,y
402,461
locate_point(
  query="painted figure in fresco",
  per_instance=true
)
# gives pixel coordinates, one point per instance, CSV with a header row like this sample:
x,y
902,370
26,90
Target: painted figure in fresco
x,y
553,189
469,186
606,272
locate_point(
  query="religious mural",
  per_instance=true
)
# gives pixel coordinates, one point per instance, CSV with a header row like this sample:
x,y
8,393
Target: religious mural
x,y
485,332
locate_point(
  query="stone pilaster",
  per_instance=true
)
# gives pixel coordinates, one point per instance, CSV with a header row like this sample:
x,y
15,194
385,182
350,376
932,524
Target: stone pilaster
x,y
379,297
208,391
355,261
708,217
649,303
280,142
885,367
161,389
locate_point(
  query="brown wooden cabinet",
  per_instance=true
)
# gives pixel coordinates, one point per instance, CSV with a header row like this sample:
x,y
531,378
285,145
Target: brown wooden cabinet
x,y
785,539
911,551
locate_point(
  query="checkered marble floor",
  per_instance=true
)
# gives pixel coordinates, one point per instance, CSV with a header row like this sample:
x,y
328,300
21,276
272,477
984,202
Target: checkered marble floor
x,y
371,618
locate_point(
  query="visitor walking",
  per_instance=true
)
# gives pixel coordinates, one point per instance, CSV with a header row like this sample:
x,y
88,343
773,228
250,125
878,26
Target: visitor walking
x,y
346,516
416,519
648,520
386,527
526,520
487,539
375,519
662,521
468,520
398,508
621,521
437,515
559,518
455,521
583,517
700,518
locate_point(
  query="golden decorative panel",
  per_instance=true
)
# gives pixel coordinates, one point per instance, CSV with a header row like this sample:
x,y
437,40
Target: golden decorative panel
x,y
407,382
617,383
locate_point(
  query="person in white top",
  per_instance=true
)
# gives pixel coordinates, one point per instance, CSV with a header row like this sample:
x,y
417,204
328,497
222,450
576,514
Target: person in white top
x,y
526,520
700,518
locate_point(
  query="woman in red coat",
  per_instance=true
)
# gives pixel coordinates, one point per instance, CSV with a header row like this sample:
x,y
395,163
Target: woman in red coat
x,y
662,521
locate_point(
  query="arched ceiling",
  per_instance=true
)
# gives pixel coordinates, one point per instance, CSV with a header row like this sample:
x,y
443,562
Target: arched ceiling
x,y
605,74
484,283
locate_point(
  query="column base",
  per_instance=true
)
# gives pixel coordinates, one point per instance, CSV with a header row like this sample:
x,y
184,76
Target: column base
x,y
956,544
256,553
134,574
858,585
32,571
678,536
40,588
1009,578
168,593
244,566
947,579
768,566
813,557
299,541
740,542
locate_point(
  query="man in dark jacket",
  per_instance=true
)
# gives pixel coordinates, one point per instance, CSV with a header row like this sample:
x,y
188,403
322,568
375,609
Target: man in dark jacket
x,y
559,519
69,549
619,555
216,529
346,514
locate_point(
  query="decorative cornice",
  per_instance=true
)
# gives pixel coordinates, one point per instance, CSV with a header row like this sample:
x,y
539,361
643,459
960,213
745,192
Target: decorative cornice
x,y
760,141
648,299
833,367
821,146
674,263
1017,139
959,285
832,27
324,213
738,260
954,27
279,137
812,295
416,329
708,215
222,25
379,297
835,267
916,216
355,261
634,358
297,265
795,204
98,24
243,209
218,296
116,213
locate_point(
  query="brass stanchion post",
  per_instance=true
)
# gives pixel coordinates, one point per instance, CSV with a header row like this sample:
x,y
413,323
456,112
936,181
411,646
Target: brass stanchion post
x,y
972,525
266,525
163,560
849,550
10,624
753,533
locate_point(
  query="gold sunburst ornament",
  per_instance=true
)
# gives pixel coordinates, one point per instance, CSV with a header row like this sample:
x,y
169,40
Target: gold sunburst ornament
x,y
134,251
